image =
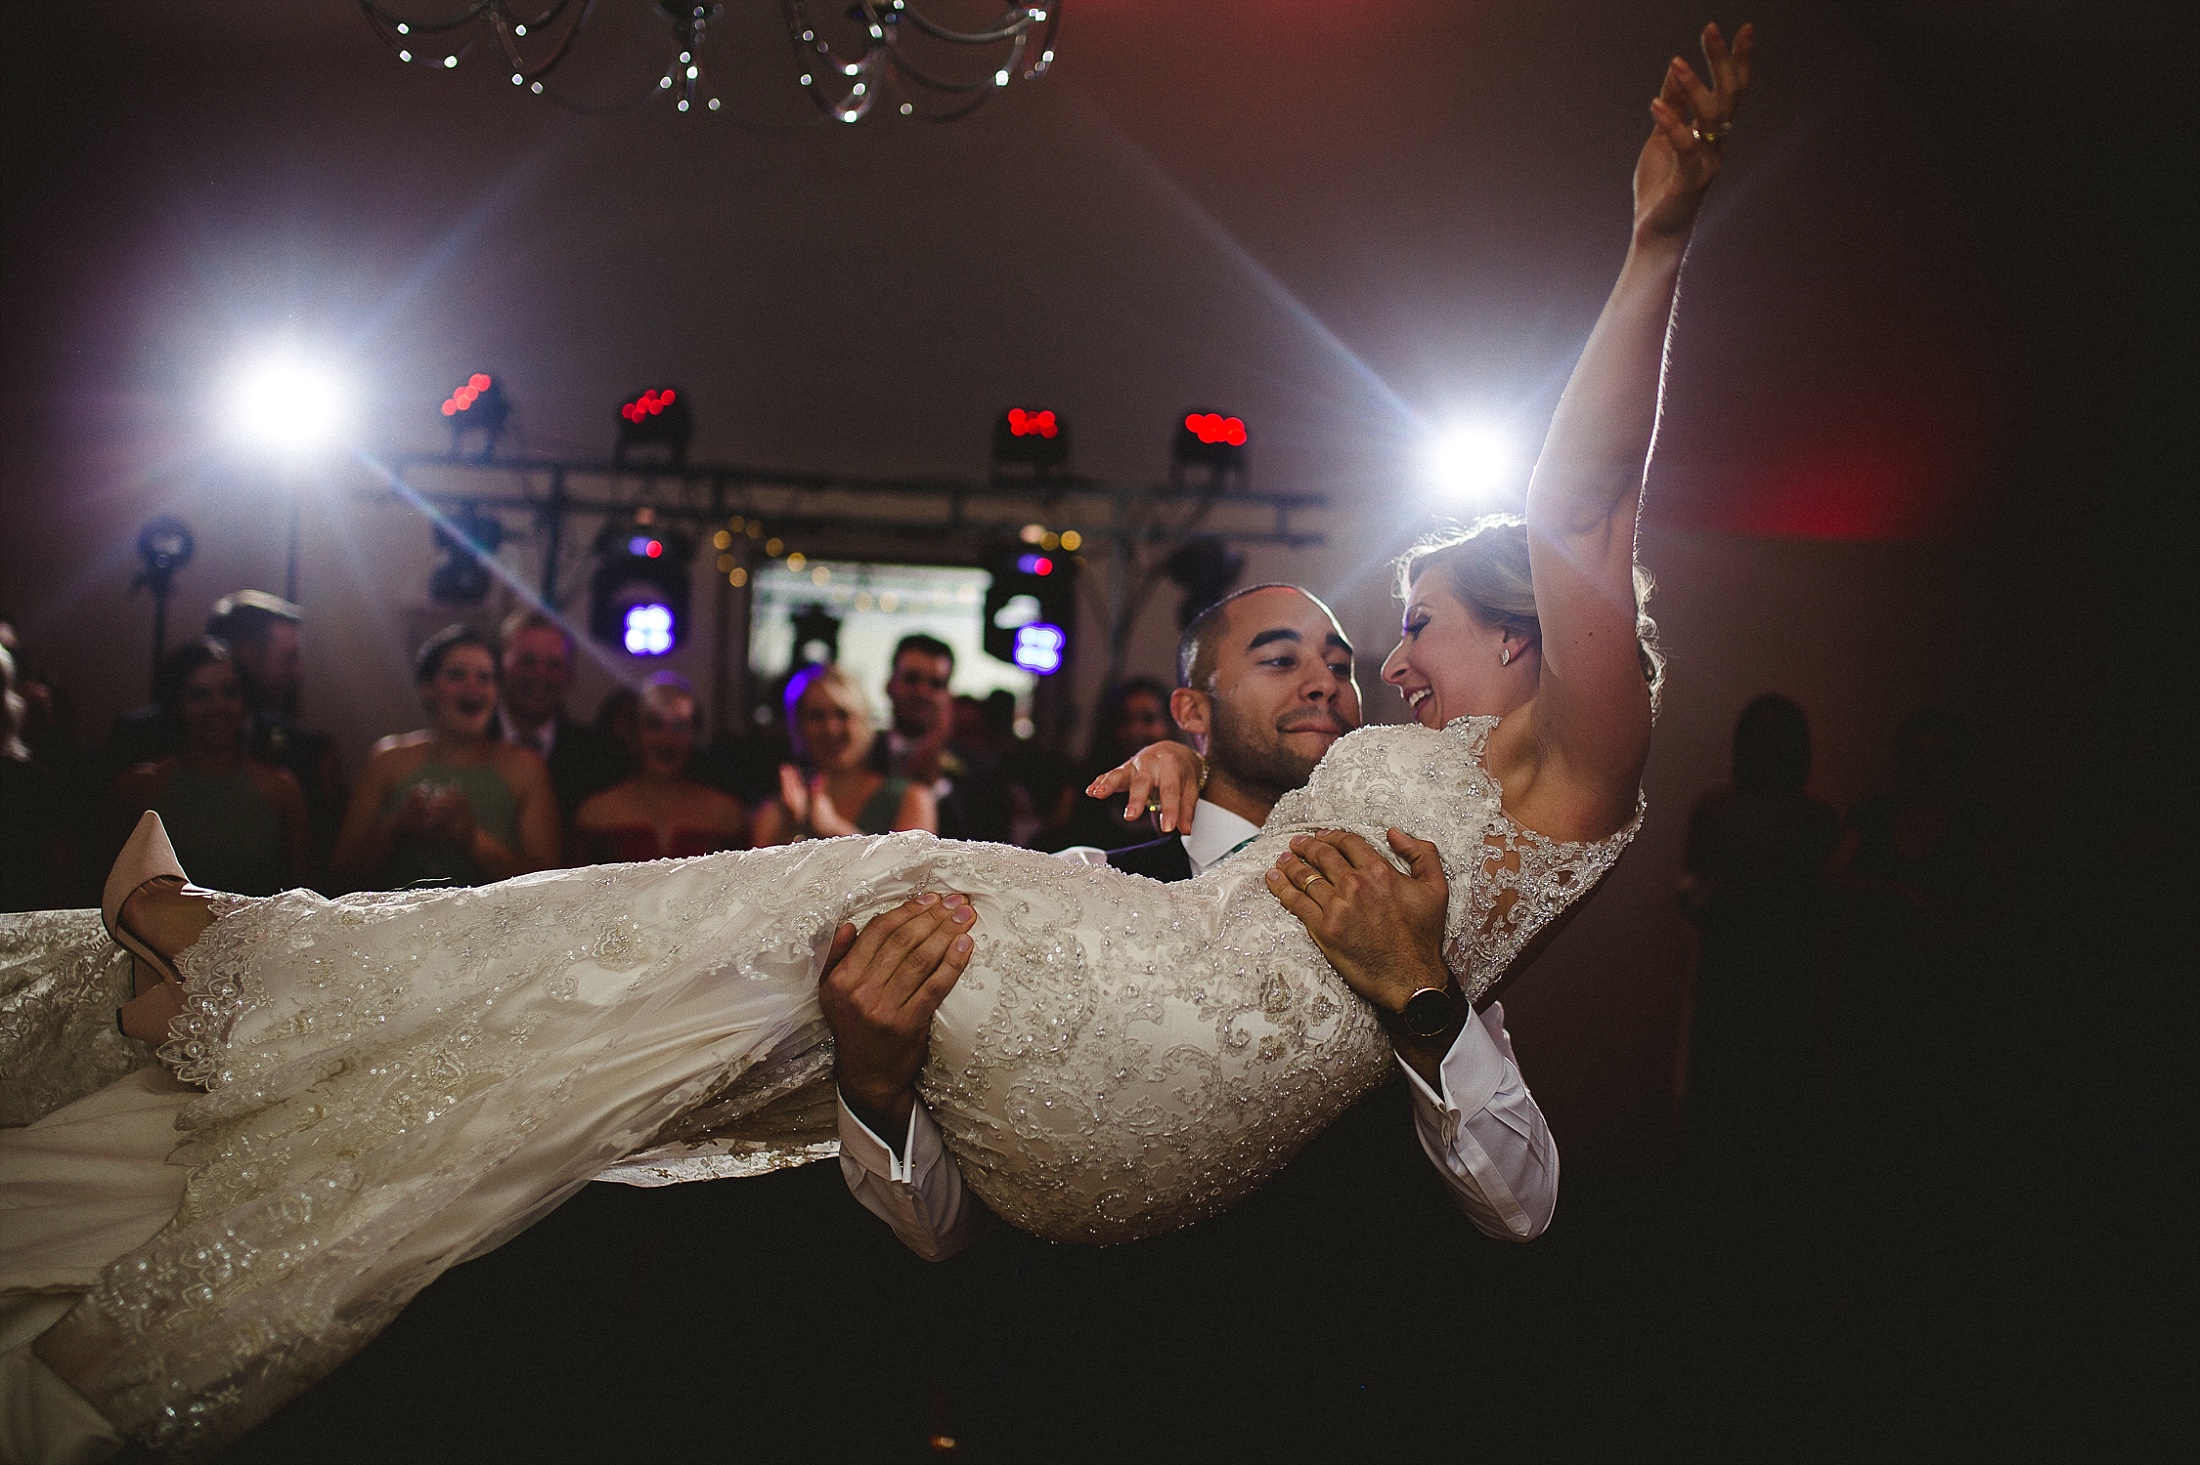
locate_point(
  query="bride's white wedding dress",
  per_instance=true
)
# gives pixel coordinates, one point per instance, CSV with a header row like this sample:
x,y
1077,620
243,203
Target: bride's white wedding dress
x,y
396,1082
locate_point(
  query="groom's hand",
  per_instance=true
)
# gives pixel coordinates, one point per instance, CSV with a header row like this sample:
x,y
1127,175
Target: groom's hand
x,y
880,988
1382,930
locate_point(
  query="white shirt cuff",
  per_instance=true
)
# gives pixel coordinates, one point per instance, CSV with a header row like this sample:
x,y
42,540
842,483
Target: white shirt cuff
x,y
1485,1135
919,1193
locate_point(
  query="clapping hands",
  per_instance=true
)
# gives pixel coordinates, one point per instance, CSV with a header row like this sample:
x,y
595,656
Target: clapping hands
x,y
810,805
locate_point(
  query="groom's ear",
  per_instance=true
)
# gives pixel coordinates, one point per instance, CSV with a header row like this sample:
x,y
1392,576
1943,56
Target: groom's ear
x,y
1191,710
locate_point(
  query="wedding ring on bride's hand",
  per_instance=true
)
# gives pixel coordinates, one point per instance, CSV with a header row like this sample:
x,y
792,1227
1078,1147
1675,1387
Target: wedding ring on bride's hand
x,y
1712,134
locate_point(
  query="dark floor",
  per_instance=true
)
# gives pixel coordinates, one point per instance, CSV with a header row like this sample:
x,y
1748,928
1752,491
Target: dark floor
x,y
1978,1247
1346,1313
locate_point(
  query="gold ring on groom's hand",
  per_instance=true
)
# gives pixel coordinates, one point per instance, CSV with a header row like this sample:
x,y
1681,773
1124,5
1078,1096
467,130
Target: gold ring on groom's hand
x,y
1308,887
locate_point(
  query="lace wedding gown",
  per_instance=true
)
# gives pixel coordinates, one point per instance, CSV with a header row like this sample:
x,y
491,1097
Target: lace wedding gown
x,y
396,1082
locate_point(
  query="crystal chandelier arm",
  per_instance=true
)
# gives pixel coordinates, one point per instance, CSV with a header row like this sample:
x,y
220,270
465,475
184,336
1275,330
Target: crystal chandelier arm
x,y
910,71
501,19
386,20
1013,26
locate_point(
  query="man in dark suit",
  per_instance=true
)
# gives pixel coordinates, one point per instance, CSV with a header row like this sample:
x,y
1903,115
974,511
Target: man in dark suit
x,y
1265,688
537,663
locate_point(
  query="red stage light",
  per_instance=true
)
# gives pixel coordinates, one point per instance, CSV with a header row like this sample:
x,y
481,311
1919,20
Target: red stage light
x,y
450,409
649,404
478,382
1213,428
1032,424
654,549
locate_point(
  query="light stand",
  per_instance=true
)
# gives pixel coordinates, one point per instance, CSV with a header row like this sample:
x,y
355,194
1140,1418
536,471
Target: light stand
x,y
165,545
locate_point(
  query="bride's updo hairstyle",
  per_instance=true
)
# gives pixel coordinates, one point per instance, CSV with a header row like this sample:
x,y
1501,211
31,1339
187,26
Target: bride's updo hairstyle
x,y
1485,566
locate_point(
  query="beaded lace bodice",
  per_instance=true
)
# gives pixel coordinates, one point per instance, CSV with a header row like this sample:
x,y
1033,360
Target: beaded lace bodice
x,y
1131,1056
397,1081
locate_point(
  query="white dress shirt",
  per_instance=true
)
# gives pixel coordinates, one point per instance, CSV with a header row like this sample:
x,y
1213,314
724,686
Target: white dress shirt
x,y
1216,835
1481,1128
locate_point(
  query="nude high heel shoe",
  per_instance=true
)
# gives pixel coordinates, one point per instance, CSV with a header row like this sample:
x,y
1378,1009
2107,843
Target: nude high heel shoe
x,y
146,858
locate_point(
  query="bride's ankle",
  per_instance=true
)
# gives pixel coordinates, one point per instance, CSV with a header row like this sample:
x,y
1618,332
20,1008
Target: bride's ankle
x,y
168,915
146,1016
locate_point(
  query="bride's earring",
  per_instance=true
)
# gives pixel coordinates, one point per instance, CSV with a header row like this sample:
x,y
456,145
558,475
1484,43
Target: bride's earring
x,y
1505,656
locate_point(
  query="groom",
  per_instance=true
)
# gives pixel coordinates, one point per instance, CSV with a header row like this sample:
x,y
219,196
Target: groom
x,y
1265,687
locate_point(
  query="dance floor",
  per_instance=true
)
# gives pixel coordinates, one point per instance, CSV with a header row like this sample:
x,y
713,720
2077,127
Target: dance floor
x,y
1345,1313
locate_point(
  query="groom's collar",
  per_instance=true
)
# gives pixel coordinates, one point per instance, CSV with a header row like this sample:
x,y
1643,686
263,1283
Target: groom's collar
x,y
1216,832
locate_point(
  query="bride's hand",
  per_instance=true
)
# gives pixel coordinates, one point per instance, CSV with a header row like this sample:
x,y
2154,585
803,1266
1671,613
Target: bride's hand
x,y
1162,779
1689,137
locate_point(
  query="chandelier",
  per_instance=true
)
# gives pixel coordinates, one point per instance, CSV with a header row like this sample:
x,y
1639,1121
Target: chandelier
x,y
886,54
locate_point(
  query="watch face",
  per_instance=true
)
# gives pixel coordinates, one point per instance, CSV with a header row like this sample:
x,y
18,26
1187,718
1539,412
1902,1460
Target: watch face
x,y
1427,1012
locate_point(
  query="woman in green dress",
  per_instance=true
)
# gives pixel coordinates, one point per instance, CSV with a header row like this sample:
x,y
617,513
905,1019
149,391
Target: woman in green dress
x,y
240,820
451,804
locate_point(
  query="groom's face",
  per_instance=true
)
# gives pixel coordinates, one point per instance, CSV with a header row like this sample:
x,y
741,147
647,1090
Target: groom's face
x,y
1282,691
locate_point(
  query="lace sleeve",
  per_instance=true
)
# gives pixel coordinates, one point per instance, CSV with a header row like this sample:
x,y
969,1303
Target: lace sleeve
x,y
60,982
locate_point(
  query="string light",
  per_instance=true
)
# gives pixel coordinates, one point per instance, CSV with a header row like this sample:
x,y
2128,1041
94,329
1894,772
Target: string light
x,y
1020,44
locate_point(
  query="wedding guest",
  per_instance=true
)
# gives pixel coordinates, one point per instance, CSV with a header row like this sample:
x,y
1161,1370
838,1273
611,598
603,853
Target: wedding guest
x,y
451,804
837,790
537,664
241,820
1133,714
1756,888
659,813
264,633
916,742
37,861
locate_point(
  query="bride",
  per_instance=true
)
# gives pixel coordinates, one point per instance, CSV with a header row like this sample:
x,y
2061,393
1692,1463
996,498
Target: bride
x,y
376,1088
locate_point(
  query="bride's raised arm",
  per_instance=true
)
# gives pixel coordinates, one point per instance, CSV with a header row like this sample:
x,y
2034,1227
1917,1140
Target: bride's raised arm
x,y
1586,734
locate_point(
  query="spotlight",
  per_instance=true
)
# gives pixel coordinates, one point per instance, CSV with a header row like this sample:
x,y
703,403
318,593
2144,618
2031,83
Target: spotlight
x,y
1039,648
1213,441
1029,607
1207,569
479,405
1031,438
648,629
638,600
463,540
661,419
287,403
1470,464
816,634
165,545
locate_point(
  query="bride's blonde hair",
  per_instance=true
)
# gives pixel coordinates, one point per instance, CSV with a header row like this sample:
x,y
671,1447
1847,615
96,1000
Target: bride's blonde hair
x,y
1485,565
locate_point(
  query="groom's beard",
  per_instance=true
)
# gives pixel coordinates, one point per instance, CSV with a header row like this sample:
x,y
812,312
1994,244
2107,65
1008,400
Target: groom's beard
x,y
1255,755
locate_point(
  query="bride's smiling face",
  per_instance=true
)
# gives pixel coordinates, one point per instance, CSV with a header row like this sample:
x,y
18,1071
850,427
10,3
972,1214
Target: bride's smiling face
x,y
1450,663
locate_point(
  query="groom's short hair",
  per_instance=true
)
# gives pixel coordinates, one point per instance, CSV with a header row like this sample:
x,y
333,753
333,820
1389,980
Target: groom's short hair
x,y
1195,649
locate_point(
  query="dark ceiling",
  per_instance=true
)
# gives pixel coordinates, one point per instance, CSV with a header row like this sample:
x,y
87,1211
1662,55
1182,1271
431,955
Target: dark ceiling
x,y
1347,221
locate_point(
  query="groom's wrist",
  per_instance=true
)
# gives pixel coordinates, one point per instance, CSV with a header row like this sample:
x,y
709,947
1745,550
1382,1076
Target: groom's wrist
x,y
885,1115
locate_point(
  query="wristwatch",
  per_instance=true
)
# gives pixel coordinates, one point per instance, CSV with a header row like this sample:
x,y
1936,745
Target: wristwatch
x,y
1428,1013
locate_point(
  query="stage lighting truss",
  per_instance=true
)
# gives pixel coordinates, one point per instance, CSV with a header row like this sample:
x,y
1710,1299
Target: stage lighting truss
x,y
885,54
